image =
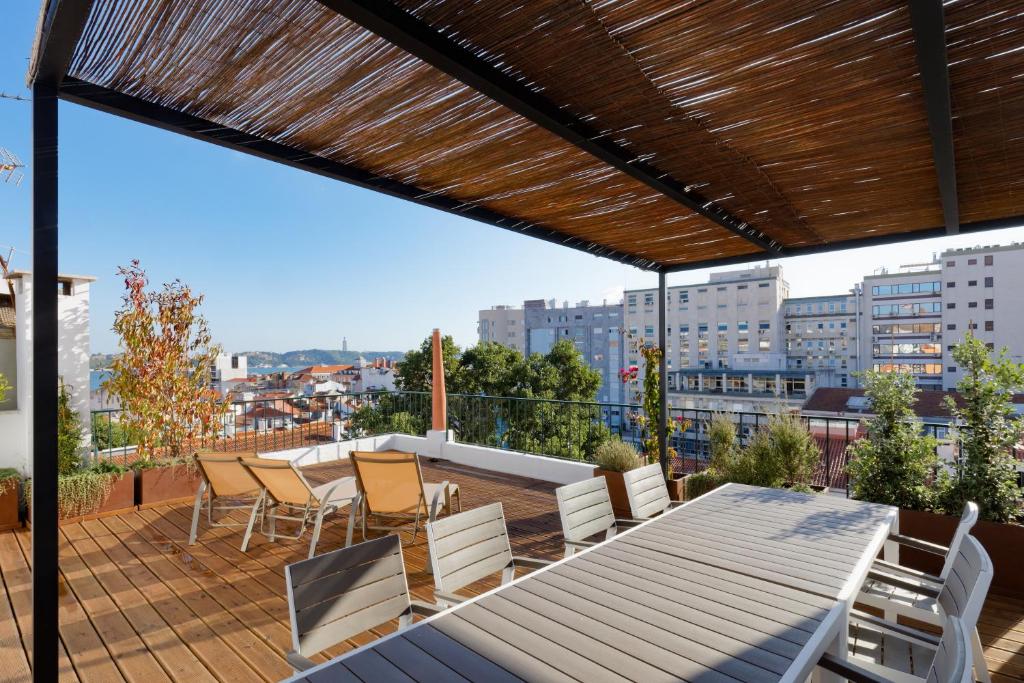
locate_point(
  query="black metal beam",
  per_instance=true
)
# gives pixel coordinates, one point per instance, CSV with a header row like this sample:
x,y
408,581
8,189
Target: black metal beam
x,y
45,566
895,238
663,373
431,46
136,109
60,27
926,16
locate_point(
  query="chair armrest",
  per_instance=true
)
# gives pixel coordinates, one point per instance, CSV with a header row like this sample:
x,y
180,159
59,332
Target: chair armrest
x,y
899,630
450,598
848,670
629,522
531,562
425,609
912,586
907,571
298,662
918,544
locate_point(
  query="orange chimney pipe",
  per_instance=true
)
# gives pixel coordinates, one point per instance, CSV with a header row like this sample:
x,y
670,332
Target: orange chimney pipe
x,y
439,403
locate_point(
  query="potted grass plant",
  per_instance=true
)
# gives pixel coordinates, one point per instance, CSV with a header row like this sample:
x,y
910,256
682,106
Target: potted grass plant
x,y
613,457
104,489
10,486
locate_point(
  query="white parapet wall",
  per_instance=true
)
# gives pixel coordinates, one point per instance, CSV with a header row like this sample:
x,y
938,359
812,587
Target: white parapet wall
x,y
555,470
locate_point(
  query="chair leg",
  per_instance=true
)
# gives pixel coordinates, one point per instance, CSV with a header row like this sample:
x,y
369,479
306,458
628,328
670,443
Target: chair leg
x,y
980,665
252,520
316,531
196,511
569,550
351,520
415,527
272,527
508,574
363,513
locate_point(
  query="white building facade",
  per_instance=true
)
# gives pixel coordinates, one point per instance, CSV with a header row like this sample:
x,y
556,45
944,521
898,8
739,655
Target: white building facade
x,y
823,337
16,364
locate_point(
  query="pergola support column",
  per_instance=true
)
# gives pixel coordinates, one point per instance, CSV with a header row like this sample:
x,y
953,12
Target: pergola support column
x,y
663,370
45,629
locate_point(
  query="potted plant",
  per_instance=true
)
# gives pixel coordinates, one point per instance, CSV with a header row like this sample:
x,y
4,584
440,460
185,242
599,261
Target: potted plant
x,y
10,486
613,457
103,489
162,380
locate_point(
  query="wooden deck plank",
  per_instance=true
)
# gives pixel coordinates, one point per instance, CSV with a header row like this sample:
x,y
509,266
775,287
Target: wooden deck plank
x,y
13,652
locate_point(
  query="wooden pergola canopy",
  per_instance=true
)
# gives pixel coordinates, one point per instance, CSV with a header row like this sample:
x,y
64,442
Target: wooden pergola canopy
x,y
661,133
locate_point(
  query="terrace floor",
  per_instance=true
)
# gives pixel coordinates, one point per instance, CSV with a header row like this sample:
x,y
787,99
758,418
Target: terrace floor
x,y
139,604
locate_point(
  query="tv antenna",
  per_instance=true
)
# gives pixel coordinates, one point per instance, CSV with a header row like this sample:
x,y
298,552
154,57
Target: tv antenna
x,y
10,167
16,98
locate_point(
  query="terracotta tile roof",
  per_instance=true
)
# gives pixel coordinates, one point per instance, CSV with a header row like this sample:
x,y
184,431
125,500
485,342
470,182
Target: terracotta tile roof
x,y
930,403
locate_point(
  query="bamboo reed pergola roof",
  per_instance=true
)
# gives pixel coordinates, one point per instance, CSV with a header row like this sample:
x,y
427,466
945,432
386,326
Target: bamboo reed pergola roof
x,y
667,134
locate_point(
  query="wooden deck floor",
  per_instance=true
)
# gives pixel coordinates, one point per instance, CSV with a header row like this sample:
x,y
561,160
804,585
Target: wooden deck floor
x,y
139,604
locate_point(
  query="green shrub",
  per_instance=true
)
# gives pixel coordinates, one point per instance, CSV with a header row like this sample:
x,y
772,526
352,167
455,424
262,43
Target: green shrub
x,y
616,456
986,471
795,448
780,452
84,491
722,441
69,433
9,478
893,463
701,482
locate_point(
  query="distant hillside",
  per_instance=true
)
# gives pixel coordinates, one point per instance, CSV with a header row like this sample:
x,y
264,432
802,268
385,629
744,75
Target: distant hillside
x,y
314,357
289,358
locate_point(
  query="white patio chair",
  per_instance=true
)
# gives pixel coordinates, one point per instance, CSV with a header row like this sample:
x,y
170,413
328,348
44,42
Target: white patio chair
x,y
962,596
468,546
586,510
647,492
890,585
339,594
951,662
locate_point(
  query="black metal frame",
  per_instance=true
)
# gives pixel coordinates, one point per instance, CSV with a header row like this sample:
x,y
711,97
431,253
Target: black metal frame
x,y
926,17
663,372
432,47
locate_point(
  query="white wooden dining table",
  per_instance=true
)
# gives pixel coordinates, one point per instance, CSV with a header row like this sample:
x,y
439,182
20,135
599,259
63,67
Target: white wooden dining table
x,y
741,584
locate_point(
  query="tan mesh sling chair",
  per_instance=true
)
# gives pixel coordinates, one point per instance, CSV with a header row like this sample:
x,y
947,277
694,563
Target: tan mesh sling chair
x,y
223,477
391,485
284,487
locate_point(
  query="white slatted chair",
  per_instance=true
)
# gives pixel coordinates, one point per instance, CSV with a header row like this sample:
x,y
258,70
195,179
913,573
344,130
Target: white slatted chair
x,y
962,596
339,594
468,546
586,510
892,587
950,663
647,492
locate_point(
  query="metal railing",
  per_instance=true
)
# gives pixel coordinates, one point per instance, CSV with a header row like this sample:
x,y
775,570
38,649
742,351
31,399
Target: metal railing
x,y
563,429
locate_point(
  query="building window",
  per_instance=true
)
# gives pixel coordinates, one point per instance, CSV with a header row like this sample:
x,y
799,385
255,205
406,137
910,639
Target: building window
x,y
722,289
762,285
951,305
951,368
951,326
989,281
741,286
989,304
950,285
972,283
990,346
972,304
648,299
988,260
990,325
648,330
950,264
972,261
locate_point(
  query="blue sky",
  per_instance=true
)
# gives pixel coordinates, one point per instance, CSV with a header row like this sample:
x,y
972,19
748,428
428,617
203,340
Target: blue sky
x,y
289,260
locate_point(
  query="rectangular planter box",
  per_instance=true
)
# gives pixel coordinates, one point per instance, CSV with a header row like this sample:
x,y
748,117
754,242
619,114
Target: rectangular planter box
x,y
121,499
676,488
162,485
9,518
1003,542
616,492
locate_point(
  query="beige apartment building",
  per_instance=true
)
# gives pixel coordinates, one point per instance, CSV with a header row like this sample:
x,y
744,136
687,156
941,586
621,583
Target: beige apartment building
x,y
505,325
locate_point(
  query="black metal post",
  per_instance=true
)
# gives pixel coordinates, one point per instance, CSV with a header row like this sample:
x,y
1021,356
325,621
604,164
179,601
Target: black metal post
x,y
663,372
45,632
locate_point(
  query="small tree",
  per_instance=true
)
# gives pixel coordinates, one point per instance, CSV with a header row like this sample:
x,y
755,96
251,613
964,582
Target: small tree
x,y
893,463
722,442
985,472
162,375
69,433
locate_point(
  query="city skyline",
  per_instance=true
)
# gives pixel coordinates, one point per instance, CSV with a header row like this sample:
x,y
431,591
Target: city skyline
x,y
321,260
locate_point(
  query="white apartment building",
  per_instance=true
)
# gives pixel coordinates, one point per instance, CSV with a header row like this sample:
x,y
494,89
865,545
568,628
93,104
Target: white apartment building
x,y
16,361
229,366
982,291
505,325
823,336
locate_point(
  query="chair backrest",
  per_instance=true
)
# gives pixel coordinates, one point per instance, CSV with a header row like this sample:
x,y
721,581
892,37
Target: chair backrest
x,y
468,546
646,490
951,663
964,590
283,482
585,508
967,521
334,596
224,474
391,481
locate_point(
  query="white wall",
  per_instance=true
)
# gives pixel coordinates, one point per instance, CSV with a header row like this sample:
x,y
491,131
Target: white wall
x,y
72,365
